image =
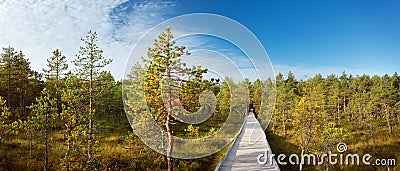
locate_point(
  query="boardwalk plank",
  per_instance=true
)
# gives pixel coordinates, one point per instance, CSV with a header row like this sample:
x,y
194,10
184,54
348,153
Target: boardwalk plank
x,y
243,153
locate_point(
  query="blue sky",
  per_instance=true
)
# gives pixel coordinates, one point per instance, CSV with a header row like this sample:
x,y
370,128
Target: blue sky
x,y
307,37
360,36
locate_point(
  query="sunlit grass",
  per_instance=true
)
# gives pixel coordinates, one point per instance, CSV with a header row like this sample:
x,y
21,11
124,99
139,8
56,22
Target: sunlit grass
x,y
359,141
115,151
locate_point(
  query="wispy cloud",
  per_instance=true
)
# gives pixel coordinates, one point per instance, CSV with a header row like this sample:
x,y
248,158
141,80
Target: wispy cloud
x,y
132,19
39,26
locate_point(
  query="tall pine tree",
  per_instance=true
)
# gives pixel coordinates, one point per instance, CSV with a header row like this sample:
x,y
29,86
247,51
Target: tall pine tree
x,y
57,65
164,74
89,62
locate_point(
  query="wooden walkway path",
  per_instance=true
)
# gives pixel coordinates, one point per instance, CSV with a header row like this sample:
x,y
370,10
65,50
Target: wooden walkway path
x,y
248,145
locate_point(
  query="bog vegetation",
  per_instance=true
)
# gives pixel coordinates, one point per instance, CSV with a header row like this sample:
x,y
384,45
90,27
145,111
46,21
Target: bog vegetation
x,y
73,119
314,115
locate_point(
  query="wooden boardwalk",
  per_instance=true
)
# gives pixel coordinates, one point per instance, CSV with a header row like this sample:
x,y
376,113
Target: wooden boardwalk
x,y
248,145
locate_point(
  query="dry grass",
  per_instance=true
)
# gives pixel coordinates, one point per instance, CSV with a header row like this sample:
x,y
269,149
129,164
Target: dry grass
x,y
359,141
115,154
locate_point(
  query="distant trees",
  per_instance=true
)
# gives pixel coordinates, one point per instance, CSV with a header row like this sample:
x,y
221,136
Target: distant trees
x,y
21,85
107,95
315,112
7,65
68,103
286,93
256,94
345,98
224,96
319,110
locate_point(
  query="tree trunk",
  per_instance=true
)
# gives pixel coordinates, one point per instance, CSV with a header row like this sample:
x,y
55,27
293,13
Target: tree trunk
x,y
68,150
338,111
273,126
388,119
30,147
46,144
89,152
170,144
344,106
46,156
9,87
284,123
371,134
20,103
360,110
119,120
57,95
168,121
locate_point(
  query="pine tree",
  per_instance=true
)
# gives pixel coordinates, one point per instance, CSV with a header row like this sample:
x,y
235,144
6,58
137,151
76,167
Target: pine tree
x,y
309,116
386,97
344,93
7,65
23,84
23,73
256,95
267,105
43,120
164,74
7,126
117,104
333,97
57,65
361,87
240,101
88,64
286,90
291,94
104,96
224,97
74,117
4,119
396,109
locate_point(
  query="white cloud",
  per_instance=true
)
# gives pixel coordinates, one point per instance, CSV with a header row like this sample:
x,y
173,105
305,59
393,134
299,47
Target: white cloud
x,y
37,27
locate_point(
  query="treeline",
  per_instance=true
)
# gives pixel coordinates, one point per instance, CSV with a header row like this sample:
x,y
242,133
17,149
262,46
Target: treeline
x,y
63,118
73,119
317,113
36,104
